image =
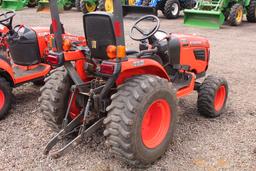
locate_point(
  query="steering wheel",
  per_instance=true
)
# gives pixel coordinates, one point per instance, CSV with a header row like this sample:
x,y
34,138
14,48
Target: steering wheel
x,y
6,18
144,33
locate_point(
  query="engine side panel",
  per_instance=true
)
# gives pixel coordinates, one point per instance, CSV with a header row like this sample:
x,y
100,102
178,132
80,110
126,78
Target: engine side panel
x,y
194,52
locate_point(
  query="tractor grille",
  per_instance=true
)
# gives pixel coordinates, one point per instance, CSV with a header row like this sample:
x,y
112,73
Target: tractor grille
x,y
200,54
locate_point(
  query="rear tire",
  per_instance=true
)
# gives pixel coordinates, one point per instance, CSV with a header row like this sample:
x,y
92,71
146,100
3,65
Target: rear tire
x,y
212,96
54,98
251,12
85,8
39,82
32,3
101,6
190,5
6,97
145,3
77,5
160,6
172,9
68,6
236,15
126,119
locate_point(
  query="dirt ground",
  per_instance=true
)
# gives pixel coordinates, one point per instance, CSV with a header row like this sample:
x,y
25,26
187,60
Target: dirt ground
x,y
224,143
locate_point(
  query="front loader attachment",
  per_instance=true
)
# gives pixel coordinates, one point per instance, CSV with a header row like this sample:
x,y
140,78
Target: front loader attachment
x,y
205,19
138,11
206,13
14,4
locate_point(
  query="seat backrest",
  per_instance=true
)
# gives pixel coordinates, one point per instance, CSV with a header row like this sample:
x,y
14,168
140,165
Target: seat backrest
x,y
24,47
99,33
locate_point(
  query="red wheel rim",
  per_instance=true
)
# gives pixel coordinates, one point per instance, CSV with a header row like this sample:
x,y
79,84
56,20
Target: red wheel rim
x,y
156,123
220,98
2,99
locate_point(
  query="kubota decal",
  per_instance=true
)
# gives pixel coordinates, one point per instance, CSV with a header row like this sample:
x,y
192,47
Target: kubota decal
x,y
138,63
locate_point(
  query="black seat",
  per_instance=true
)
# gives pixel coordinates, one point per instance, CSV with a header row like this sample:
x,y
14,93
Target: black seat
x,y
24,47
99,33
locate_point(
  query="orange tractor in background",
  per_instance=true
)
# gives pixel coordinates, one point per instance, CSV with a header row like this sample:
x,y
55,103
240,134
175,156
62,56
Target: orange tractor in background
x,y
133,94
23,51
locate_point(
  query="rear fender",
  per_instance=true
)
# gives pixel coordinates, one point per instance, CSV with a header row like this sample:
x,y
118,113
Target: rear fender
x,y
134,67
6,70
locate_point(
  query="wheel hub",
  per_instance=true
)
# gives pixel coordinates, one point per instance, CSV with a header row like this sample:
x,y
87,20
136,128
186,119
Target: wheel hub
x,y
109,6
239,15
220,98
156,123
90,7
2,99
175,9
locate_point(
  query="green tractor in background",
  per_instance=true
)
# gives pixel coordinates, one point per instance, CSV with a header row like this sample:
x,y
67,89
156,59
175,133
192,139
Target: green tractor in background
x,y
87,6
17,4
213,13
43,5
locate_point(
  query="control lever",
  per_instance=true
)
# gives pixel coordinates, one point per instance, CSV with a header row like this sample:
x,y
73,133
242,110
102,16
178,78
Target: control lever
x,y
144,52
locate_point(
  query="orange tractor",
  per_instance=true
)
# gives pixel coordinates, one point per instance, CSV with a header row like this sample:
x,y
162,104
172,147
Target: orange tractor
x,y
133,94
22,57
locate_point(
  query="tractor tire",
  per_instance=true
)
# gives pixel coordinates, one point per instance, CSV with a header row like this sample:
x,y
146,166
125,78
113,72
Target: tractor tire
x,y
188,4
131,2
172,9
212,96
251,12
129,131
68,6
86,9
160,6
39,82
226,14
236,15
32,3
54,98
6,97
101,6
145,3
77,5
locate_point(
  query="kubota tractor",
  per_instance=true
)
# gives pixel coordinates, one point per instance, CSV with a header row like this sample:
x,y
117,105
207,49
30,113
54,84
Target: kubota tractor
x,y
132,94
22,57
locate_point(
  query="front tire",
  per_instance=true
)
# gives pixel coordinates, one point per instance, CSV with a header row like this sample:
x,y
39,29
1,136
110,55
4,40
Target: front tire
x,y
6,97
236,15
212,96
172,9
141,119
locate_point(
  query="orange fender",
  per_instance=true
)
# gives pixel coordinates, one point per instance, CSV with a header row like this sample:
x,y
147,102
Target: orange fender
x,y
134,67
6,67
